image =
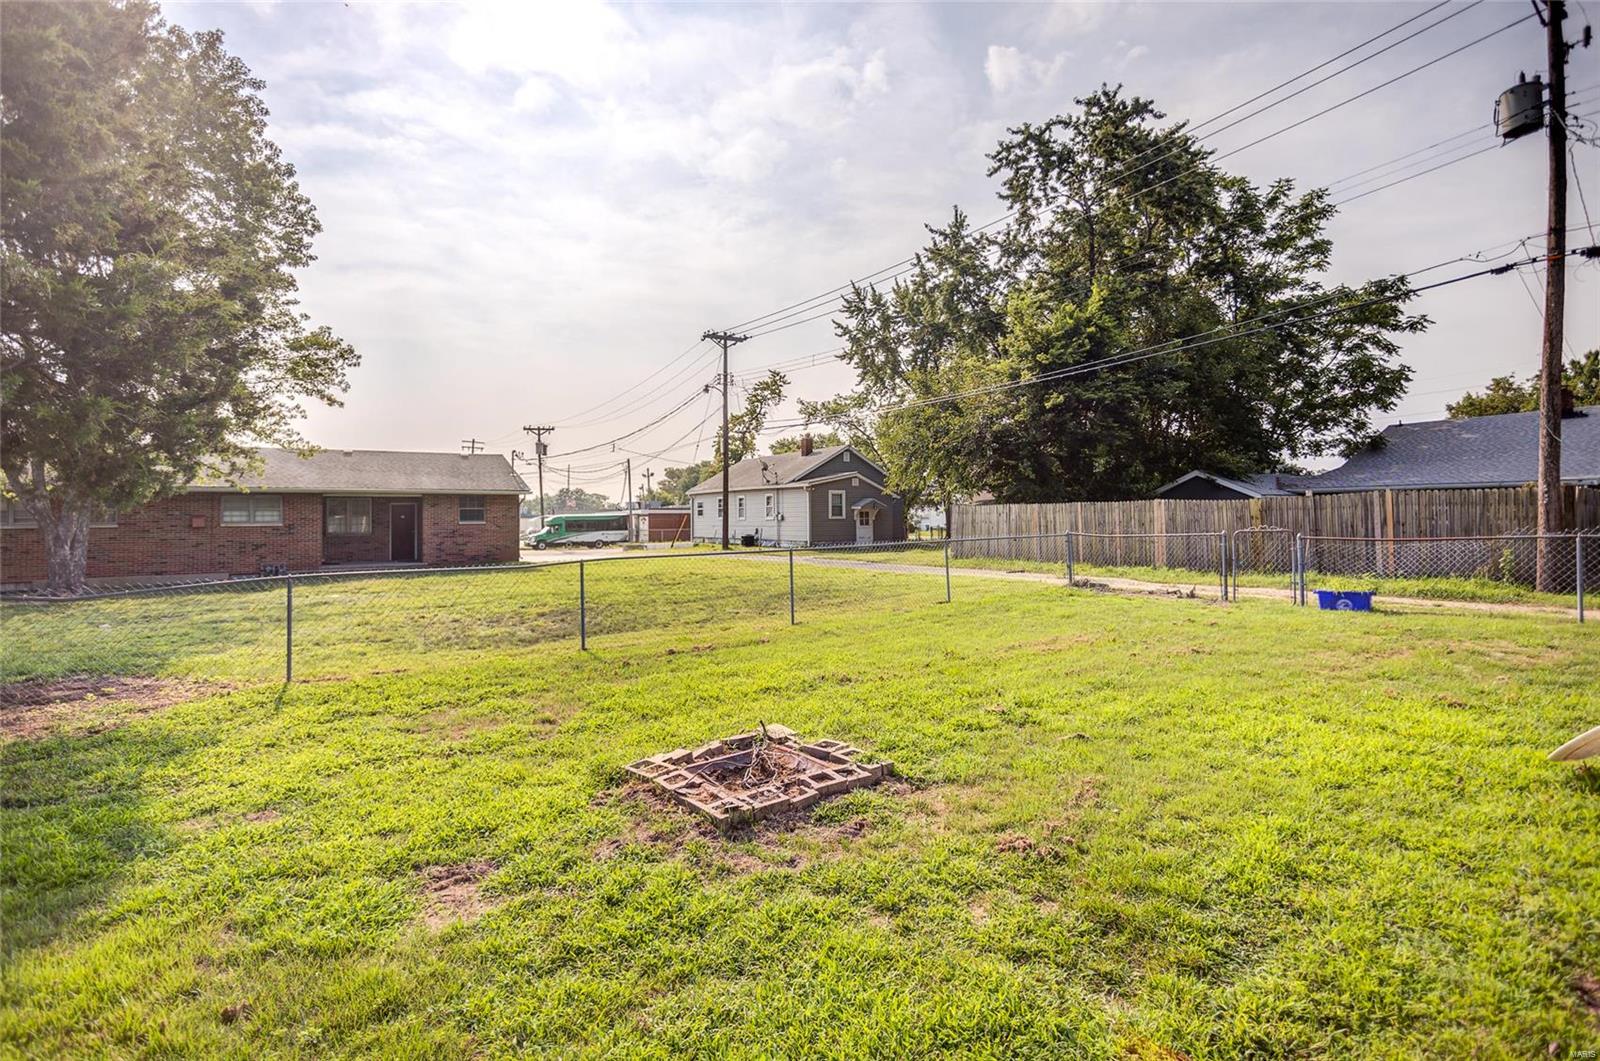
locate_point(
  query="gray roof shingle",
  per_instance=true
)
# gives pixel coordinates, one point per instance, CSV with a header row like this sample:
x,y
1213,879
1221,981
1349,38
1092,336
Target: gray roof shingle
x,y
377,471
777,469
1478,451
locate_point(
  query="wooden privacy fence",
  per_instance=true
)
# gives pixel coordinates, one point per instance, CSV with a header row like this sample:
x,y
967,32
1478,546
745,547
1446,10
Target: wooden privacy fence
x,y
1370,514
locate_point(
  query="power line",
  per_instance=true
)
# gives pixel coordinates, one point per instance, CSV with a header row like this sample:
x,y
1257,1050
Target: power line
x,y
775,317
636,431
1202,339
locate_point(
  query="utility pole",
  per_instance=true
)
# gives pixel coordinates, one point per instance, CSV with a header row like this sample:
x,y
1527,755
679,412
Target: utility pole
x,y
648,475
1522,110
627,476
1551,517
724,340
539,451
470,446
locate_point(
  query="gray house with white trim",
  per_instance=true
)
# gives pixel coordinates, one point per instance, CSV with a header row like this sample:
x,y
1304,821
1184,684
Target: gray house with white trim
x,y
823,496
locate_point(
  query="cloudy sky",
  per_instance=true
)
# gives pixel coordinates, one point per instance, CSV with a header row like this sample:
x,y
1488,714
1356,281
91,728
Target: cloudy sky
x,y
531,209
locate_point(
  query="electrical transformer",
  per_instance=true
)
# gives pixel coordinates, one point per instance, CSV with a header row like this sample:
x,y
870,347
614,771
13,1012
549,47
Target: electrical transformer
x,y
1521,109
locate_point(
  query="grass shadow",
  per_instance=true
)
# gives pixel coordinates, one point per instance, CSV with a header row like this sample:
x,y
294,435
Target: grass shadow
x,y
73,816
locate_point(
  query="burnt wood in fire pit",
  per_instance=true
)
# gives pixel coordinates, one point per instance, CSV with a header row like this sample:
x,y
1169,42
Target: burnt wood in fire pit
x,y
745,777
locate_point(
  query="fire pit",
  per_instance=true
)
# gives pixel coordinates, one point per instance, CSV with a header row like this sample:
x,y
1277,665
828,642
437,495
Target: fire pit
x,y
753,775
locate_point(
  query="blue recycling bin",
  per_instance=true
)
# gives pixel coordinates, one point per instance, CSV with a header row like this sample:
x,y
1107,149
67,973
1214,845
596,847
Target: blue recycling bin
x,y
1344,600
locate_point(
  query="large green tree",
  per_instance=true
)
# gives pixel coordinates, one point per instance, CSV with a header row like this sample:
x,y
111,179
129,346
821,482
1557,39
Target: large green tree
x,y
1507,394
1122,236
148,247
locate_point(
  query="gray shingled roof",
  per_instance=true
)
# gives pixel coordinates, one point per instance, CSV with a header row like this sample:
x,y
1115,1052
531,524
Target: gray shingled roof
x,y
377,471
779,469
1473,452
1259,484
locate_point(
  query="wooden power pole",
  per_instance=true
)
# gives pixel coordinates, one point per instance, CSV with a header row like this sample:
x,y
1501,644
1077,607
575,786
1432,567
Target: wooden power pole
x,y
1552,517
724,340
539,451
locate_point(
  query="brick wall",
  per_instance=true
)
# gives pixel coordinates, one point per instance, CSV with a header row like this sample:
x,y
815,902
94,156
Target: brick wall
x,y
160,539
446,540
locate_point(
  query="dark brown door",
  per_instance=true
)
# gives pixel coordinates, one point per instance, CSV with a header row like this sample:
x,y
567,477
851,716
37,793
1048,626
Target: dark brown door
x,y
403,532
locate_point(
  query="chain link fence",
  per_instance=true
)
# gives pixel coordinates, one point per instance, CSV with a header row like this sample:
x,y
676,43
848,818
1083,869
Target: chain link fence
x,y
341,624
1528,569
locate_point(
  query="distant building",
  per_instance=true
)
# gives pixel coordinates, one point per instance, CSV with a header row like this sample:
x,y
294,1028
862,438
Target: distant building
x,y
809,497
336,507
1471,453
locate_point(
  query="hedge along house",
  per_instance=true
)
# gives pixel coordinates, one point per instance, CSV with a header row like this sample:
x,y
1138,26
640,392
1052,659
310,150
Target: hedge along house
x,y
809,497
293,513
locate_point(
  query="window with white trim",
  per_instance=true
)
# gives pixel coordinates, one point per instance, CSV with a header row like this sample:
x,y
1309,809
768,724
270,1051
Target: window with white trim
x,y
252,510
348,515
855,482
13,515
738,506
845,457
719,508
470,508
699,508
836,504
769,506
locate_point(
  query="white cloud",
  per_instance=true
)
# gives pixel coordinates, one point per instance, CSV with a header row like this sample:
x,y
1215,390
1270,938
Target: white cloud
x,y
534,96
748,158
1011,69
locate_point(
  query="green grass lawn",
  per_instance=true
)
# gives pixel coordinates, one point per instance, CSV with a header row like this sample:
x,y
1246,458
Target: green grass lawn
x,y
1123,827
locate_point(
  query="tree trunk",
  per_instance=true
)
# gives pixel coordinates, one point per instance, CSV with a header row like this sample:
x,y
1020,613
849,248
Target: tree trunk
x,y
65,530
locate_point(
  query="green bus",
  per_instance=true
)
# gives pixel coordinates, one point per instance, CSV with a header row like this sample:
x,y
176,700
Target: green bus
x,y
594,529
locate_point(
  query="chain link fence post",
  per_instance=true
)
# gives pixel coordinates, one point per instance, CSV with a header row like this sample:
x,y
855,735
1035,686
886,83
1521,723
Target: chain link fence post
x,y
947,570
791,585
1071,578
1578,560
288,629
1297,578
1222,563
583,612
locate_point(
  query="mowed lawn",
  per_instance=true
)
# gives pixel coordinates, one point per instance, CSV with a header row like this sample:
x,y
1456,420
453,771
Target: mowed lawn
x,y
1121,827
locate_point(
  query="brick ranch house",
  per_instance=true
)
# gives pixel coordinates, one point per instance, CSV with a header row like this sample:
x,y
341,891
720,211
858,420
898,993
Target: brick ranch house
x,y
336,507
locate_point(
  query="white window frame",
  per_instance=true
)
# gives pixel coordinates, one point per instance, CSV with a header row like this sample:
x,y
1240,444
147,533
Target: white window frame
x,y
842,514
700,508
256,510
14,517
855,482
844,458
719,508
738,506
462,508
346,521
769,506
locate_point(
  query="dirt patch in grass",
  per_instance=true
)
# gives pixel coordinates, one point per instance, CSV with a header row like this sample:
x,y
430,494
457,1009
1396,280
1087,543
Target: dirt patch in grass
x,y
268,814
39,706
1587,988
454,892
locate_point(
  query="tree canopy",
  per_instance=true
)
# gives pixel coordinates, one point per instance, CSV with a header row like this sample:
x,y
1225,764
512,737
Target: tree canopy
x,y
744,425
819,439
1506,394
151,234
1122,236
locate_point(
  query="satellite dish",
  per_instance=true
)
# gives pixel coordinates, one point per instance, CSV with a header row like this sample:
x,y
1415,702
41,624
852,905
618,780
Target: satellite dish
x,y
1583,746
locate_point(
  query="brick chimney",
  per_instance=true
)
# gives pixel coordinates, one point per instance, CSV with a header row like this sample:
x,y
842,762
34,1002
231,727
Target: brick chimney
x,y
806,445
